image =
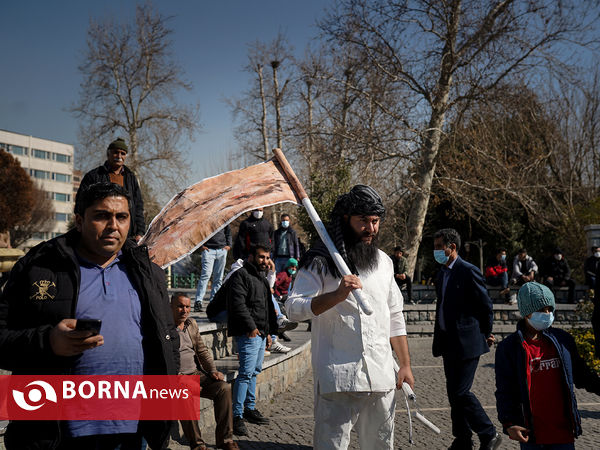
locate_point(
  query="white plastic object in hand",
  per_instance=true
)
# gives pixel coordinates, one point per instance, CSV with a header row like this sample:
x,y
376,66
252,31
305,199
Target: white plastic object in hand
x,y
426,422
408,391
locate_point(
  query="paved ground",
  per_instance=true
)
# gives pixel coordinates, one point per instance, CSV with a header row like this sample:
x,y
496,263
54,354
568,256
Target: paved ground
x,y
292,416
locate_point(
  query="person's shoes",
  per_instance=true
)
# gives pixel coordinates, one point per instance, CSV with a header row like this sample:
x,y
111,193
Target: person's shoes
x,y
491,444
254,416
461,444
512,300
505,291
286,325
229,446
284,336
198,307
239,426
267,353
278,347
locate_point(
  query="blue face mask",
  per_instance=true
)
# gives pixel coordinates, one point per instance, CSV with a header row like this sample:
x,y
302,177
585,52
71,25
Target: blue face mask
x,y
503,257
541,321
440,256
285,223
291,271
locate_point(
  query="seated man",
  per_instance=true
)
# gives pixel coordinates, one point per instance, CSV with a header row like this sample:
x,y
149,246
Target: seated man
x,y
524,268
590,267
401,272
556,272
196,360
496,271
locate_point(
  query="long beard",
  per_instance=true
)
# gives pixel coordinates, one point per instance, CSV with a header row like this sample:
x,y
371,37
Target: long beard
x,y
363,255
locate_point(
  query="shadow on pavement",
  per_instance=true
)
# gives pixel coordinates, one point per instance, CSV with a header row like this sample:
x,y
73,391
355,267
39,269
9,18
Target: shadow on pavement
x,y
589,414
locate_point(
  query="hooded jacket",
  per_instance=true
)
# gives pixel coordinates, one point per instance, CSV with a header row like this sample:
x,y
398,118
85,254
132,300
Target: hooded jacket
x,y
42,290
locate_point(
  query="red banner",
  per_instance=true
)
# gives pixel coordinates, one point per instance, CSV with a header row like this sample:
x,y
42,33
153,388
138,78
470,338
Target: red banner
x,y
100,397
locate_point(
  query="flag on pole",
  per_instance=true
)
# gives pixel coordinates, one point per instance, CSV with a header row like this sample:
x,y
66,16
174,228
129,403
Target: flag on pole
x,y
194,215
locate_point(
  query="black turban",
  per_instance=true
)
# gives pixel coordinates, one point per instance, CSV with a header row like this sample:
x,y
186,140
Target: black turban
x,y
360,201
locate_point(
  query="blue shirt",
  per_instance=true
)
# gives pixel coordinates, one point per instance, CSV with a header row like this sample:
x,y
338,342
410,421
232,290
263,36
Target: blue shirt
x,y
108,294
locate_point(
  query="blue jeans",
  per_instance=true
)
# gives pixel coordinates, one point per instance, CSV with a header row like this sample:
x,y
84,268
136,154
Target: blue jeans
x,y
213,264
526,446
251,352
280,263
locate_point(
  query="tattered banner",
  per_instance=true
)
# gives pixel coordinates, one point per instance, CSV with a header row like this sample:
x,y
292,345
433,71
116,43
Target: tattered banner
x,y
194,215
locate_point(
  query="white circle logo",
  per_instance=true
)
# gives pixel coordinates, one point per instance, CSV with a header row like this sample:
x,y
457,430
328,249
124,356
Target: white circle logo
x,y
35,396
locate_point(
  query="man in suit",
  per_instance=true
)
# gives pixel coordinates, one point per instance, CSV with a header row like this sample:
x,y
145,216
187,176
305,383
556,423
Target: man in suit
x,y
463,332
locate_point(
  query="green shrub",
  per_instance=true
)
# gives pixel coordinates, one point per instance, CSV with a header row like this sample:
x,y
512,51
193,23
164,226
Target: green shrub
x,y
584,338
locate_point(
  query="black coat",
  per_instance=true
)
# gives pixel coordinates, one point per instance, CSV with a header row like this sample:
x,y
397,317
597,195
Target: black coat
x,y
101,175
42,290
252,231
468,313
249,304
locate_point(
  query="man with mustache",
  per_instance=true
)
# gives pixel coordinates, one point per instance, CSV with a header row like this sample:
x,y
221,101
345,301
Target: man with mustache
x,y
91,272
115,171
251,320
354,371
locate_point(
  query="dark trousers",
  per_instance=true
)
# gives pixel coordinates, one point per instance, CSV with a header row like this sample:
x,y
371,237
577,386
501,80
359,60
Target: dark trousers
x,y
408,283
465,410
562,282
220,393
123,441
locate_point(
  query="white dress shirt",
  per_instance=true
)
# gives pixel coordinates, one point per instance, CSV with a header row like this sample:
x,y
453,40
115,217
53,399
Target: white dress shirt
x,y
351,351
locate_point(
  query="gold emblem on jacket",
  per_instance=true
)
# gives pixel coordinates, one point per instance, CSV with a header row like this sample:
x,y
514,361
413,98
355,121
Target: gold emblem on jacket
x,y
43,288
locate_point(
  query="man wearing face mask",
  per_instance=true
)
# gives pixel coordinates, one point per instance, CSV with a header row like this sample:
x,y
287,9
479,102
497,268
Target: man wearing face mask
x,y
556,272
285,245
536,370
253,230
462,333
496,271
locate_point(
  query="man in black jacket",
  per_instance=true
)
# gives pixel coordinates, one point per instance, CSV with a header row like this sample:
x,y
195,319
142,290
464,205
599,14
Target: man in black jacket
x,y
556,272
251,319
94,272
255,229
115,171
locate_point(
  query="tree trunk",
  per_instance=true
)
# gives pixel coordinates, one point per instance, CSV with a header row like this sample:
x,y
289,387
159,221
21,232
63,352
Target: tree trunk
x,y
263,118
274,65
425,169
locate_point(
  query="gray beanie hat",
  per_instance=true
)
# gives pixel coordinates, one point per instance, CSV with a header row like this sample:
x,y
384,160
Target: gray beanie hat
x,y
534,296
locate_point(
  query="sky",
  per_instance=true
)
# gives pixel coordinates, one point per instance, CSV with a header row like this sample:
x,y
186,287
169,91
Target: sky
x,y
43,43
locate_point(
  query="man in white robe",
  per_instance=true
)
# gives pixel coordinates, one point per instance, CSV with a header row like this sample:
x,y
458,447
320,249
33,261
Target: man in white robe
x,y
354,371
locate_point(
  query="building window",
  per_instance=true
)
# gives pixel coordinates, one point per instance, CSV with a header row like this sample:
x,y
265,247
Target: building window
x,y
59,157
62,217
61,177
40,174
41,154
16,150
60,197
39,236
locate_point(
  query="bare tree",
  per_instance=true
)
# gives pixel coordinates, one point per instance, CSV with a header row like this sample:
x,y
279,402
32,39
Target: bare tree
x,y
442,55
129,88
41,217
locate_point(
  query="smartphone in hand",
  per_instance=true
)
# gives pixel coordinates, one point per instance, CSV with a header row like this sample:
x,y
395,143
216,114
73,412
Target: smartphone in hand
x,y
92,325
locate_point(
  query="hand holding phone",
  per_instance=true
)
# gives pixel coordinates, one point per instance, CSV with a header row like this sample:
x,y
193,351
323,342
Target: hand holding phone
x,y
92,325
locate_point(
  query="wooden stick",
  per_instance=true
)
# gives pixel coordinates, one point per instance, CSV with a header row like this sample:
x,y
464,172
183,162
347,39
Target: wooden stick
x,y
320,227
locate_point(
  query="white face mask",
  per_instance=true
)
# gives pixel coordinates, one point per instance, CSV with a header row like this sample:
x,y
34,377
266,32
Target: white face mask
x,y
257,214
558,257
597,254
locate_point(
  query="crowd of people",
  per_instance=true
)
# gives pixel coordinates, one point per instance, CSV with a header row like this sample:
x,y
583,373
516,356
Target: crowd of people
x,y
360,350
